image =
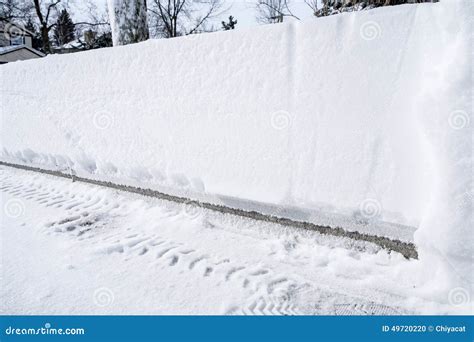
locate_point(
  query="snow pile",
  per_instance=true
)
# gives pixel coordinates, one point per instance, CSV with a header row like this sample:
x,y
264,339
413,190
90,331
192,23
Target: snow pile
x,y
444,107
365,115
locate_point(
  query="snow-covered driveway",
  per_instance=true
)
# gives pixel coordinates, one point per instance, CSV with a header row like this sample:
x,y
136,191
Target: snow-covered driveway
x,y
71,248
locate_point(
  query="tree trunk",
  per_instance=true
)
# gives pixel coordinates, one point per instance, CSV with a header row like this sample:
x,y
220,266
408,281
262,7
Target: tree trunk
x,y
45,38
128,20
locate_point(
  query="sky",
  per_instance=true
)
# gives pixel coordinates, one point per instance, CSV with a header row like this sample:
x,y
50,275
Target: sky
x,y
242,10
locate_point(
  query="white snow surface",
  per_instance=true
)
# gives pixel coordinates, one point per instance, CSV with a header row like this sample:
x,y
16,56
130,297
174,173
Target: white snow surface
x,y
364,115
72,248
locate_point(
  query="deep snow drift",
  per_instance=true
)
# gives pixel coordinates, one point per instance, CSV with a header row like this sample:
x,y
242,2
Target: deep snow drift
x,y
366,115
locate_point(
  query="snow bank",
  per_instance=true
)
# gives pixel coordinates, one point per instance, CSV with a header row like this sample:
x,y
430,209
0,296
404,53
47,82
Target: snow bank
x,y
364,115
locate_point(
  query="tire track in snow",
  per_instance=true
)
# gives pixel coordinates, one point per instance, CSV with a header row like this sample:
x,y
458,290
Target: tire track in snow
x,y
80,220
268,292
408,250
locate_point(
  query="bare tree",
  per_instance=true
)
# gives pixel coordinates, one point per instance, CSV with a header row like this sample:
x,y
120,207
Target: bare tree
x,y
93,16
9,9
173,18
15,10
330,7
95,29
41,16
44,10
95,19
41,13
273,11
313,4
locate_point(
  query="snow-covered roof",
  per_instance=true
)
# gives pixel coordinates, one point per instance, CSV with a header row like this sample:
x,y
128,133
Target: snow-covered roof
x,y
7,49
75,44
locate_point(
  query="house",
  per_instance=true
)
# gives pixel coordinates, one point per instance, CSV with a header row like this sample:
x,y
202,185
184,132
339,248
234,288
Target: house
x,y
16,43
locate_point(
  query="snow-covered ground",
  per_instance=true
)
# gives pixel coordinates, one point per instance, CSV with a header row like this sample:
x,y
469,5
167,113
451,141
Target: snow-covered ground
x,y
72,248
364,117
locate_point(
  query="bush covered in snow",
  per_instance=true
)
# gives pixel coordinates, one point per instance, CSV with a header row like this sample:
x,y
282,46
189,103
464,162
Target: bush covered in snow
x,y
330,7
